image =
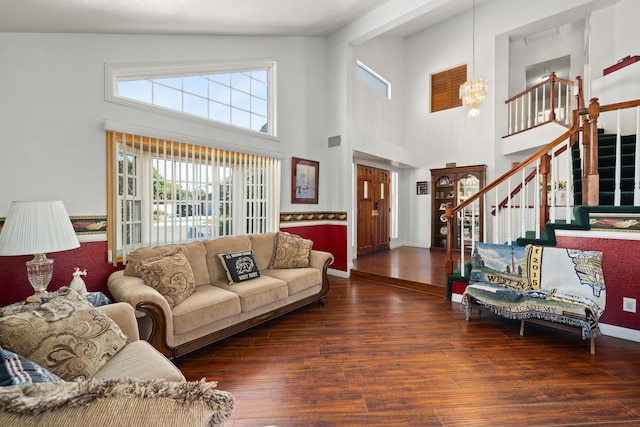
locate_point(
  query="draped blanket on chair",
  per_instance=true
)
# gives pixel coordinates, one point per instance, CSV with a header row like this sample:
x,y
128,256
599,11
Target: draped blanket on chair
x,y
554,284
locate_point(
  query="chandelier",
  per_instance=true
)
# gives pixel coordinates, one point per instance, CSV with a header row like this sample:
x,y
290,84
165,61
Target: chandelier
x,y
472,92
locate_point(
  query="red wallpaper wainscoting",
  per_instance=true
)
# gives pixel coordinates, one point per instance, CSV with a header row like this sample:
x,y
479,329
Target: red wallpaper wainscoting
x,y
621,270
92,256
326,237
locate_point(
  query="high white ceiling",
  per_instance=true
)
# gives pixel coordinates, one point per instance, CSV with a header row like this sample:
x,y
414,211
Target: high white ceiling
x,y
216,17
231,17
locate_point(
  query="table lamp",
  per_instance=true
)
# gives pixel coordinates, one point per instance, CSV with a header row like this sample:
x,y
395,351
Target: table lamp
x,y
37,228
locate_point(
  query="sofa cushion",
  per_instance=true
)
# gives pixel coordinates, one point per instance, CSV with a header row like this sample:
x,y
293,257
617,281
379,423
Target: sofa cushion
x,y
18,370
170,274
207,305
194,251
290,251
257,292
240,266
297,279
140,360
262,246
63,333
220,246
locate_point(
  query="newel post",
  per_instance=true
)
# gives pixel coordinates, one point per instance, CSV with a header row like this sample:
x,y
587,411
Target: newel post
x,y
545,169
552,95
448,266
592,181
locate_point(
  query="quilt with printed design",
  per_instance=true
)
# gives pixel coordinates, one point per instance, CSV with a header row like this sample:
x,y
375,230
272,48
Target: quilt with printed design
x,y
555,284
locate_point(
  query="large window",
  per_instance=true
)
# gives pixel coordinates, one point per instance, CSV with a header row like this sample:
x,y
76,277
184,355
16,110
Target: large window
x,y
237,95
164,192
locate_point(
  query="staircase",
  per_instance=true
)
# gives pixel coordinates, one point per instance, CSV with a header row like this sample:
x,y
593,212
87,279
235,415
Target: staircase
x,y
607,160
601,170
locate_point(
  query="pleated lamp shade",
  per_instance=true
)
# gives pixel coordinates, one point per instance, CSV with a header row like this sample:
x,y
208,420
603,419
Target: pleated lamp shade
x,y
37,228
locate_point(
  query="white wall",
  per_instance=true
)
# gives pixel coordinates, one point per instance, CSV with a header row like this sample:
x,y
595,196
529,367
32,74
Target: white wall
x,y
53,107
569,42
378,120
435,139
614,35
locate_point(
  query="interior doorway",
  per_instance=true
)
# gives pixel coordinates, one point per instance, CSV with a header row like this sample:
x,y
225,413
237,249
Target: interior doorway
x,y
373,209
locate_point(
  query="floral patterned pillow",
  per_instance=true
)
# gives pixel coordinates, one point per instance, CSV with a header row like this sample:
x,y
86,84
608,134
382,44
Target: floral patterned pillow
x,y
290,251
170,274
63,333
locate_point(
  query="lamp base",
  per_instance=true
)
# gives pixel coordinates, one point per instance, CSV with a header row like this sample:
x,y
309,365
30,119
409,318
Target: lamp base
x,y
35,297
39,271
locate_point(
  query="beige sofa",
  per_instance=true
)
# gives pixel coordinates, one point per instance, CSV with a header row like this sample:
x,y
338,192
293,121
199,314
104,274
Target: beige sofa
x,y
216,310
137,386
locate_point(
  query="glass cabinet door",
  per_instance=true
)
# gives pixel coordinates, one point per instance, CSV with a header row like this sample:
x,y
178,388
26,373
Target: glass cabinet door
x,y
468,185
452,186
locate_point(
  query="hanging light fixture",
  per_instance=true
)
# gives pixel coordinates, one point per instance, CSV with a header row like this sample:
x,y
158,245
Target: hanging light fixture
x,y
472,92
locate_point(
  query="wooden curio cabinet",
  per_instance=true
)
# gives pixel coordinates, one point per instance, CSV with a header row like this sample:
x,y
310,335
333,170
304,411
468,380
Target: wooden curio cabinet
x,y
455,185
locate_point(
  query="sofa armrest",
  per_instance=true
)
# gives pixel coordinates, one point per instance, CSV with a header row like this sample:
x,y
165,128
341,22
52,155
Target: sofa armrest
x,y
123,314
146,301
114,402
134,291
322,260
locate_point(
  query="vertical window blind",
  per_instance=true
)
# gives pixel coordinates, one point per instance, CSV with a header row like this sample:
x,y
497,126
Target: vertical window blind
x,y
162,192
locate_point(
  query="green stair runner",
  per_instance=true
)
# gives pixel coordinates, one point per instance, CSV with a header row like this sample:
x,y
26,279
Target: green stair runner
x,y
606,169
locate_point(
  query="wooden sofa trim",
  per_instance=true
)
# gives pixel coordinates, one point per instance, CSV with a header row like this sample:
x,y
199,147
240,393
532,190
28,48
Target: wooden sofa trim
x,y
158,333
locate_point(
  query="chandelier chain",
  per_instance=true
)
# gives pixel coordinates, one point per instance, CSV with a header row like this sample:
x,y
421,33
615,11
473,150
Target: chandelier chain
x,y
473,91
473,40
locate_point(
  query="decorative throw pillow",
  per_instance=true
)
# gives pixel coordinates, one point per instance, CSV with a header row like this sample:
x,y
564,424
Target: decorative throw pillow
x,y
170,274
63,333
18,370
240,266
498,265
290,251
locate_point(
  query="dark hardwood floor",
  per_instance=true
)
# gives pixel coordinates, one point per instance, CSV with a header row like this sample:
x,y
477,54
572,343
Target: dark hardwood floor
x,y
412,268
381,355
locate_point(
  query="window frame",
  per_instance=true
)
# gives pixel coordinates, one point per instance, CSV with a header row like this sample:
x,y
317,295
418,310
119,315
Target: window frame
x,y
247,174
116,71
374,75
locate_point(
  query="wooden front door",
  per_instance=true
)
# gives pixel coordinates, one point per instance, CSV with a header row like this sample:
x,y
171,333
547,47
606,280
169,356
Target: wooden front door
x,y
373,209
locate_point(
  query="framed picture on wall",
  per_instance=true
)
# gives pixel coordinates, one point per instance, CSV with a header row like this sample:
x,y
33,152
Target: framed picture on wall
x,y
422,187
305,176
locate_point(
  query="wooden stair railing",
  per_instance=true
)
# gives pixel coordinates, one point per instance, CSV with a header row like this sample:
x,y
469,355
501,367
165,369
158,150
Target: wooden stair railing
x,y
584,128
531,108
451,211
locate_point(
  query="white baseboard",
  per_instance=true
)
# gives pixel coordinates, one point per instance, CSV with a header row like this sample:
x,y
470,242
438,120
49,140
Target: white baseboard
x,y
620,332
339,273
